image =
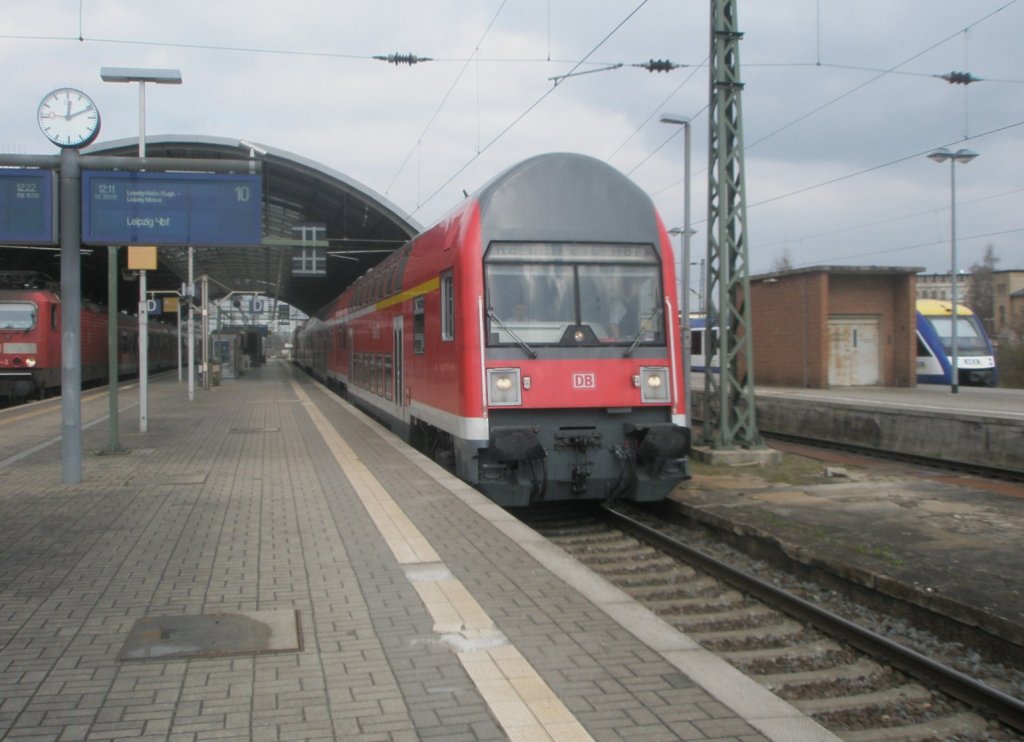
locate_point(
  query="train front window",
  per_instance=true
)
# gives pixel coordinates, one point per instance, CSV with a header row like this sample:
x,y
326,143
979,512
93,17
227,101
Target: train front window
x,y
537,291
17,315
969,340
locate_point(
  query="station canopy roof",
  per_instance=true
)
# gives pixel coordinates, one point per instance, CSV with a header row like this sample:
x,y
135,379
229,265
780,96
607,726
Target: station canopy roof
x,y
355,228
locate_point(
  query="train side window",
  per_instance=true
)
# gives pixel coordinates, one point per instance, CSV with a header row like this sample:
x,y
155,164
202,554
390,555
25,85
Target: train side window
x,y
418,326
447,306
53,316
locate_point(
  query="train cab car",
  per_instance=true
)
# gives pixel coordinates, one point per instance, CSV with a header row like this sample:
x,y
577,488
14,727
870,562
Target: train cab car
x,y
975,356
529,341
30,339
29,335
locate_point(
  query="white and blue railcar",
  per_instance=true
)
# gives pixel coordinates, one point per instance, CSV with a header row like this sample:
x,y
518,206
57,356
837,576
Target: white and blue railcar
x,y
976,363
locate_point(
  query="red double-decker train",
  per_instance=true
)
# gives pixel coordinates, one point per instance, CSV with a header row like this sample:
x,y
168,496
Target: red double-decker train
x,y
30,339
529,340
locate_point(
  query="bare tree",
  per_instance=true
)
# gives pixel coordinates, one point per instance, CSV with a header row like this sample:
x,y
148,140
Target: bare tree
x,y
981,289
783,262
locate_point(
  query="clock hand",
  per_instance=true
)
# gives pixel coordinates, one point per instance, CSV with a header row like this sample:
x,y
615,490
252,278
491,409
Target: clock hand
x,y
67,114
78,113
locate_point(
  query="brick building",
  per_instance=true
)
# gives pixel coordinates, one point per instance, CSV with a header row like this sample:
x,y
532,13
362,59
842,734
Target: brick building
x,y
828,326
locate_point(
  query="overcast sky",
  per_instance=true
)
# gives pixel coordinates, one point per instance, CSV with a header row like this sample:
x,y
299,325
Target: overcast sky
x,y
842,102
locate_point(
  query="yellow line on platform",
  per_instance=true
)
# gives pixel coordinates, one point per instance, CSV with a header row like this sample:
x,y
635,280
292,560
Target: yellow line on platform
x,y
522,703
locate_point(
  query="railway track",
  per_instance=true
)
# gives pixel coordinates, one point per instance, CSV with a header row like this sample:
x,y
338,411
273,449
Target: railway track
x,y
858,684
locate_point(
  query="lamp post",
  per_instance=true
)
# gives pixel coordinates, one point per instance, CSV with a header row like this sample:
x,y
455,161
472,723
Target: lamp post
x,y
684,301
141,75
962,156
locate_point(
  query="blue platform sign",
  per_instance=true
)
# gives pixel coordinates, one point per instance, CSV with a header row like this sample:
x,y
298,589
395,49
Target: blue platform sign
x,y
203,209
27,213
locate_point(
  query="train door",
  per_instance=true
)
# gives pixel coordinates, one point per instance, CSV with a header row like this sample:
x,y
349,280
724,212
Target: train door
x,y
350,379
399,365
854,351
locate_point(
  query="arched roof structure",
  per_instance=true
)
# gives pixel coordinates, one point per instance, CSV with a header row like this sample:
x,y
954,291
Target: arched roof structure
x,y
359,226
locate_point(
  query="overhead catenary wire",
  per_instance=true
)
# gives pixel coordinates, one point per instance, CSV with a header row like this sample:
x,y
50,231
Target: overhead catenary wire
x,y
445,98
881,73
587,61
529,108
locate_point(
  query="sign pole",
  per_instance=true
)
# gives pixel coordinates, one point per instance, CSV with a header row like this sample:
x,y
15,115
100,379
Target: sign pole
x,y
190,292
143,355
113,429
178,310
71,316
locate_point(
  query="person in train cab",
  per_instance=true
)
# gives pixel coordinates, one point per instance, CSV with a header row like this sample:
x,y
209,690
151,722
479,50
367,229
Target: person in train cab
x,y
520,313
622,312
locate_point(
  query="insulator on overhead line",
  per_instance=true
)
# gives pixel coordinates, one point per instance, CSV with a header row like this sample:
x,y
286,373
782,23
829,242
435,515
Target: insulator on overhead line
x,y
659,65
396,59
959,78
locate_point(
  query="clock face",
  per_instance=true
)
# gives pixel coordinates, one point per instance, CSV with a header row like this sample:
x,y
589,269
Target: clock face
x,y
69,118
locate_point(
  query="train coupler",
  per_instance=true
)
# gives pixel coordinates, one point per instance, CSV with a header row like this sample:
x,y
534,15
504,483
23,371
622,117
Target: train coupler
x,y
661,449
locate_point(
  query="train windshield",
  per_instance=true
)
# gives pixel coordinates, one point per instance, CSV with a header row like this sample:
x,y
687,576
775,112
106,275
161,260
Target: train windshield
x,y
607,294
17,315
969,338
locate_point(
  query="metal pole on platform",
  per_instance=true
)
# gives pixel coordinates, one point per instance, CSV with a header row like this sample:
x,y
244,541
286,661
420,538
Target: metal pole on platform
x,y
71,316
113,428
143,355
178,312
962,156
684,267
206,332
190,292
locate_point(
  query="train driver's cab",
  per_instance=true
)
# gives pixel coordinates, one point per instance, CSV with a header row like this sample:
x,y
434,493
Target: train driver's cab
x,y
17,315
551,294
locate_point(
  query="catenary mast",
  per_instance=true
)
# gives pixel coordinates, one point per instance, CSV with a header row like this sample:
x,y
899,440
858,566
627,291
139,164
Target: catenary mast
x,y
729,419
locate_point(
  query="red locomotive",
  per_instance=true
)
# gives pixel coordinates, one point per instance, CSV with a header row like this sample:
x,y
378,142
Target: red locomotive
x,y
30,341
529,340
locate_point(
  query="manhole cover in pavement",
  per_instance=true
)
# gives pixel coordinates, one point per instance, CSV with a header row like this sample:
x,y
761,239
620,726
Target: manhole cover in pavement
x,y
213,635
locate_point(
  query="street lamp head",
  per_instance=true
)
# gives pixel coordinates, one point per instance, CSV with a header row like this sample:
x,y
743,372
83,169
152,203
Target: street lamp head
x,y
140,74
963,156
675,118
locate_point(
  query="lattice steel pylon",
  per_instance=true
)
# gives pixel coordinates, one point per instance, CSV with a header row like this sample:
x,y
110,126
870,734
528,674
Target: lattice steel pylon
x,y
729,419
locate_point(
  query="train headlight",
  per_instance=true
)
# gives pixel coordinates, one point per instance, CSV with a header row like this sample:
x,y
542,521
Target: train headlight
x,y
30,362
654,386
503,387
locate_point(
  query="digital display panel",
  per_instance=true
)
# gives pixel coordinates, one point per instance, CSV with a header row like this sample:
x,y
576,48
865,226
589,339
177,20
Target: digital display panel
x,y
27,207
139,208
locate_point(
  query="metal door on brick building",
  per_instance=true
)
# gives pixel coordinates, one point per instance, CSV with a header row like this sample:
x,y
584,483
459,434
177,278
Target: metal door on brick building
x,y
855,357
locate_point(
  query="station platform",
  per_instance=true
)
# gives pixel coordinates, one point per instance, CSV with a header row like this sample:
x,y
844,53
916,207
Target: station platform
x,y
265,563
976,427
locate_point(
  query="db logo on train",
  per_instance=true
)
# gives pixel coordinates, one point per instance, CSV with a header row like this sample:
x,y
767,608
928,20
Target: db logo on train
x,y
584,381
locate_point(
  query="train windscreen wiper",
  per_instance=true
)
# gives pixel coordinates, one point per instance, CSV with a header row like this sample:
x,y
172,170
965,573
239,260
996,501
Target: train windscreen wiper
x,y
644,329
519,341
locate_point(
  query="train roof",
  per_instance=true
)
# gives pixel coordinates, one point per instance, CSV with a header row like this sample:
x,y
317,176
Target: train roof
x,y
25,280
940,307
563,196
